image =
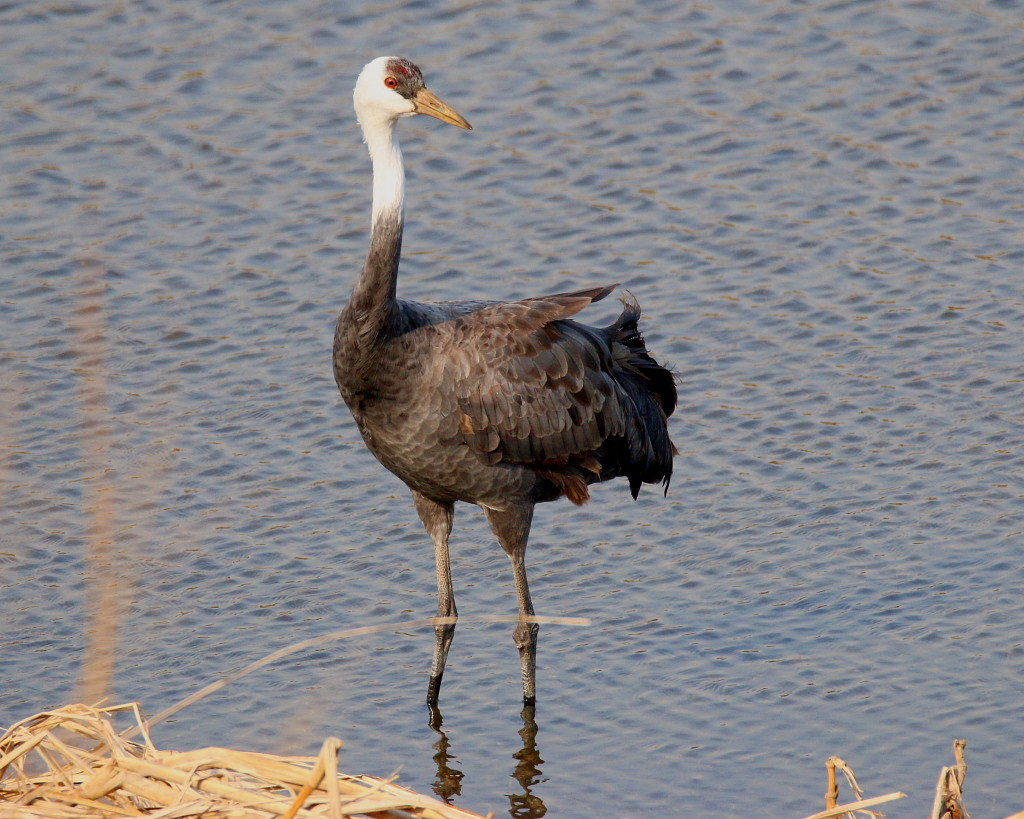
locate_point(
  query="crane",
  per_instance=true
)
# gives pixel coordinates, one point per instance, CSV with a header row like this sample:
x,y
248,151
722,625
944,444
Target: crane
x,y
500,404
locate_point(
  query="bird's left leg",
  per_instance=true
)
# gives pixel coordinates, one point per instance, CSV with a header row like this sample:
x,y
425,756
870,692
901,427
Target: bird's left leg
x,y
437,517
512,528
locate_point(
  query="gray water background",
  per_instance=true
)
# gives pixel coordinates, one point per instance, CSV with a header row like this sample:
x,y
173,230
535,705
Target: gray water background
x,y
819,206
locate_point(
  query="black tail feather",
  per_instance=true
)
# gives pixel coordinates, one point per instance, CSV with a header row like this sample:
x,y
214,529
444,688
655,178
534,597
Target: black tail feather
x,y
652,390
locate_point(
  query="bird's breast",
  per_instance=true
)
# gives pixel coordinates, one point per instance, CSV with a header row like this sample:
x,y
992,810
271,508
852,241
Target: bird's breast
x,y
404,403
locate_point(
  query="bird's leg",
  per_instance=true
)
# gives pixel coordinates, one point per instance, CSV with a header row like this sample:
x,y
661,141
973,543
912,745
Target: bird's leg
x,y
512,528
437,518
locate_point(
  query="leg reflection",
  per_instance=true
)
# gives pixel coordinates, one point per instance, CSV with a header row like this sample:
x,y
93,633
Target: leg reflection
x,y
449,779
527,805
523,805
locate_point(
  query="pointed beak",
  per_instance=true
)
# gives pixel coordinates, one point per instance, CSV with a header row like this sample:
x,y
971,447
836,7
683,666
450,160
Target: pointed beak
x,y
426,102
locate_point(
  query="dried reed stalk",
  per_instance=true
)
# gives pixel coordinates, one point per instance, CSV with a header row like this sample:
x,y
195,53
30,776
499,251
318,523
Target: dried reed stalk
x,y
70,763
834,763
949,791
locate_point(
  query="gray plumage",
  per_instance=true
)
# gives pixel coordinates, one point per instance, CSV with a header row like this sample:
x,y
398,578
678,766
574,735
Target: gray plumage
x,y
501,404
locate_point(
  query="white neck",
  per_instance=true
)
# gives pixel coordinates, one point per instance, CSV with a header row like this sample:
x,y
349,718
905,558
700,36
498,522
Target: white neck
x,y
388,170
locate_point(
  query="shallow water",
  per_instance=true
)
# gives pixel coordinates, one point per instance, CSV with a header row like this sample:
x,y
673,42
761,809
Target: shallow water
x,y
819,208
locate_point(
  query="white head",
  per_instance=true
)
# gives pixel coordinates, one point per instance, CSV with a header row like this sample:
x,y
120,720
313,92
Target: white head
x,y
392,87
389,88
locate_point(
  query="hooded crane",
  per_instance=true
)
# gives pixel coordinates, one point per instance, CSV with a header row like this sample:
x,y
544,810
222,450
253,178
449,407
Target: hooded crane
x,y
500,404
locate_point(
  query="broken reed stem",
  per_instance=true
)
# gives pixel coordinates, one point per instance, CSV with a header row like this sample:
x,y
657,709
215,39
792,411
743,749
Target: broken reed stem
x,y
960,751
949,790
330,755
330,746
832,794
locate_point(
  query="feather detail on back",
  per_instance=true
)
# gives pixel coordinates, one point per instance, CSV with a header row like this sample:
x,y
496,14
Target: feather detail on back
x,y
577,404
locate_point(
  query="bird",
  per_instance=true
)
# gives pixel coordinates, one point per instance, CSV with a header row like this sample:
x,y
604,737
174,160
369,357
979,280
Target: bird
x,y
501,404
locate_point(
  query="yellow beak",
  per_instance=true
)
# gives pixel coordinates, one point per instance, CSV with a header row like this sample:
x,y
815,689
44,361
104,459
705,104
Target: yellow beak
x,y
426,102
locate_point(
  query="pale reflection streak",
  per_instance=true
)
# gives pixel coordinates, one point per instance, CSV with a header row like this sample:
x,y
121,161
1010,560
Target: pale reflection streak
x,y
8,445
104,595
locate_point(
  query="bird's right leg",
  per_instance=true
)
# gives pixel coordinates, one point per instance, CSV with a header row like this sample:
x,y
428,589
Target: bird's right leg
x,y
512,528
437,518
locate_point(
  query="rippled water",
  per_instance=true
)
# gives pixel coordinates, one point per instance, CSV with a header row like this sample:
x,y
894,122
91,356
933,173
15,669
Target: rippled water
x,y
819,207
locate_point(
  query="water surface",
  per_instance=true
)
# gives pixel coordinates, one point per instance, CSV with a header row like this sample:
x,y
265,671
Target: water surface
x,y
819,208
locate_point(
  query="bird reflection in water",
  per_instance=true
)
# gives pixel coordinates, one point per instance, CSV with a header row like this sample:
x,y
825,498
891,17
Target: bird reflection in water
x,y
524,804
449,779
527,805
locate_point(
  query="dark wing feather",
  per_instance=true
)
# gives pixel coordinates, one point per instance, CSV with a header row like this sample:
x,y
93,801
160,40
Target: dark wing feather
x,y
532,388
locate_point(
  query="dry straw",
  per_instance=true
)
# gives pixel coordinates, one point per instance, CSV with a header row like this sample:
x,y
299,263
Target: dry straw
x,y
71,763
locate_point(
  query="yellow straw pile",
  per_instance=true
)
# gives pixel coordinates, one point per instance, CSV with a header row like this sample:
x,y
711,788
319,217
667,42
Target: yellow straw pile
x,y
71,763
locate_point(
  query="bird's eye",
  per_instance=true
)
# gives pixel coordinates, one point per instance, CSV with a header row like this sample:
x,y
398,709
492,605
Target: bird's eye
x,y
391,82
